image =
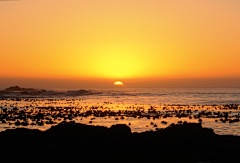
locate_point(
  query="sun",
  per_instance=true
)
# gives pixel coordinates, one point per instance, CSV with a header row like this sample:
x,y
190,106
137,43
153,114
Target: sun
x,y
118,83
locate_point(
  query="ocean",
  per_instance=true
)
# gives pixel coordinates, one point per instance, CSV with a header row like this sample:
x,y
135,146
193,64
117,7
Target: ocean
x,y
126,103
184,96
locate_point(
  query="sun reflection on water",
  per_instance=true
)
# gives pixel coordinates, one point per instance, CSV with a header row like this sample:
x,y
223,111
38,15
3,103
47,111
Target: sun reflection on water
x,y
145,122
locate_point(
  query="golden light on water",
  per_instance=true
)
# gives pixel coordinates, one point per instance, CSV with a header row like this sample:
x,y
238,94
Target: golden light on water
x,y
118,83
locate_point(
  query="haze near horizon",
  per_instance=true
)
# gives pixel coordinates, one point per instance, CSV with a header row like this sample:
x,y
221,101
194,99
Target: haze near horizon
x,y
62,44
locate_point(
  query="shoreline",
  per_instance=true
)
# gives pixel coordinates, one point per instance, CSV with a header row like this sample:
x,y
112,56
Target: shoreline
x,y
44,113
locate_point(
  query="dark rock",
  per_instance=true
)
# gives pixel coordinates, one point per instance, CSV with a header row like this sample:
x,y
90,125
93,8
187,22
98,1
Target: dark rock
x,y
75,142
17,88
120,129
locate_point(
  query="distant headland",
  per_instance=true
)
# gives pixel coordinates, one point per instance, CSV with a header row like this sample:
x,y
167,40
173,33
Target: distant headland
x,y
29,92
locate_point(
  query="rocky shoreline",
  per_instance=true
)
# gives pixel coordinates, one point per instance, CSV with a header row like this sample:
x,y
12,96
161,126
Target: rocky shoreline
x,y
75,142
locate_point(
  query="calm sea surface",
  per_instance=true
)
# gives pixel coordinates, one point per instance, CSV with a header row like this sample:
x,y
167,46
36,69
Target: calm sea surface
x,y
155,96
208,99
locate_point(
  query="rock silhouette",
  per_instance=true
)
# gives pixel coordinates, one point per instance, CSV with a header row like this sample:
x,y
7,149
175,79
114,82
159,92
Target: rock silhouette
x,y
75,142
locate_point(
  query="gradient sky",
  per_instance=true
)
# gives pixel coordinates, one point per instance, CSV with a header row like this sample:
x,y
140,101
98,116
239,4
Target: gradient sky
x,y
92,43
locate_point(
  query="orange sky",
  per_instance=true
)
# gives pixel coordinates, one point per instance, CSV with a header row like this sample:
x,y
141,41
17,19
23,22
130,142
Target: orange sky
x,y
138,42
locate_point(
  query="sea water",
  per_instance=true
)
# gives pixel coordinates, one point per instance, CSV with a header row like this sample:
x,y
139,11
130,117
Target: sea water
x,y
155,96
121,98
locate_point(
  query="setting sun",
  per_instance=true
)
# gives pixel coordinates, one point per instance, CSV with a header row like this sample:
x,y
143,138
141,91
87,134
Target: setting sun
x,y
118,83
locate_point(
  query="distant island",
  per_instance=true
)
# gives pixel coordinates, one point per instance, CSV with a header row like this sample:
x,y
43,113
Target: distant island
x,y
17,88
18,91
